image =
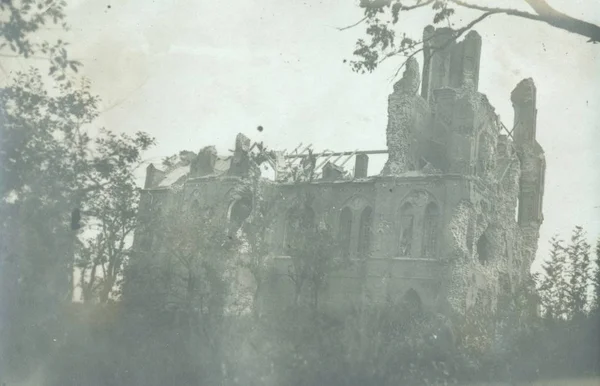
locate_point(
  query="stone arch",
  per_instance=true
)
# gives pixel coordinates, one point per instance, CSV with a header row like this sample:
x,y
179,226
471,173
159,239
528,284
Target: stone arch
x,y
419,198
431,230
357,203
414,225
345,230
239,210
364,231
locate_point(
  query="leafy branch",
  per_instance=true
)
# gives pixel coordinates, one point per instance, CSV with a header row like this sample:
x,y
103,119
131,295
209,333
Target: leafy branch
x,y
382,15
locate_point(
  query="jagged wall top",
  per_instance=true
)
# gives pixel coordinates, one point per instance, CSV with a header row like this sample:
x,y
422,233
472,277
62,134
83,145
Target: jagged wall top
x,y
409,84
448,63
524,92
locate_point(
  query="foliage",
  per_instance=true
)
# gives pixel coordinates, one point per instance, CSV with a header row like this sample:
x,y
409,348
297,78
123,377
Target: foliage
x,y
383,344
596,280
19,23
51,168
100,260
181,283
386,36
553,283
314,250
578,253
564,287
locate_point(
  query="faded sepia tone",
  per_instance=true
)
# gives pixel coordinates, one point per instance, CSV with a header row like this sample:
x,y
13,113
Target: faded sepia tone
x,y
366,192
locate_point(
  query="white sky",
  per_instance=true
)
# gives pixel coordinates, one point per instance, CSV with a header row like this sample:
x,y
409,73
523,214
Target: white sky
x,y
195,73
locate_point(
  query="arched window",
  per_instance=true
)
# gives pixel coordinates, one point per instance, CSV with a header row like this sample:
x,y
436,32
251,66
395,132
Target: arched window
x,y
345,231
364,232
407,223
430,231
239,212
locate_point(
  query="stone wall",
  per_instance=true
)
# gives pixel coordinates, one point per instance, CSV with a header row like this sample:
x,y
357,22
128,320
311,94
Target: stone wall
x,y
442,213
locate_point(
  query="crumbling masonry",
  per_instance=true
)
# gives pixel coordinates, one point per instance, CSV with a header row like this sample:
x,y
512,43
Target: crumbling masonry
x,y
452,219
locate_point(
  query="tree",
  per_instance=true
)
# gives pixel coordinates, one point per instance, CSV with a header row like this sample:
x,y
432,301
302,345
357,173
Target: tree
x,y
254,230
578,255
313,249
20,22
50,166
51,171
596,280
553,285
100,260
257,252
180,286
382,16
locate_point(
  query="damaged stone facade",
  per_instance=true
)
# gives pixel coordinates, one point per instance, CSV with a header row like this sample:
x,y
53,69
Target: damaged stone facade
x,y
453,216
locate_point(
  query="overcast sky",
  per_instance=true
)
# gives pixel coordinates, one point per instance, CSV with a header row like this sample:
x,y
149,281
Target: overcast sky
x,y
194,73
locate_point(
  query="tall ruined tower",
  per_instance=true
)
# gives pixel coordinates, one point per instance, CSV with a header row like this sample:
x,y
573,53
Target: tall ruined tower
x,y
533,165
451,130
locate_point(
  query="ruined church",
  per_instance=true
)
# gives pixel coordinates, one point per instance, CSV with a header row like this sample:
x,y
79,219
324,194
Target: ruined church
x,y
451,220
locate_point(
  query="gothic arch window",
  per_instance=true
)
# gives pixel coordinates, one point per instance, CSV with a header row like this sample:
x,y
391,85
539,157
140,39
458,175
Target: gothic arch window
x,y
345,231
407,224
430,230
239,211
364,232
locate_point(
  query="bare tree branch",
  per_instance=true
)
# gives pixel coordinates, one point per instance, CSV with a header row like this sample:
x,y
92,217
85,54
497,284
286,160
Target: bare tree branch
x,y
406,60
418,5
544,13
352,25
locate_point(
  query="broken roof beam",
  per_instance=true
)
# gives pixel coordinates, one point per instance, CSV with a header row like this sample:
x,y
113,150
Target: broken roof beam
x,y
327,156
503,127
349,158
296,149
350,153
